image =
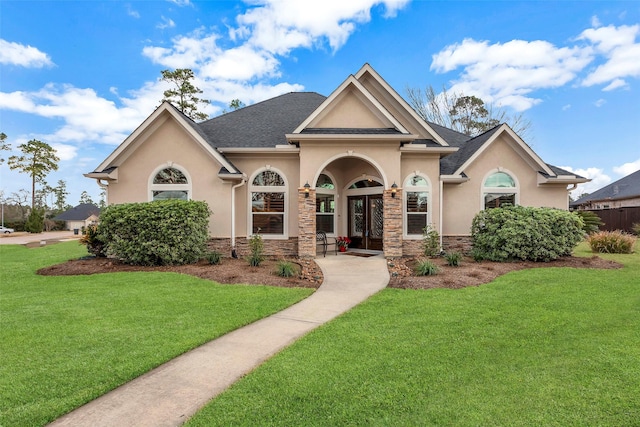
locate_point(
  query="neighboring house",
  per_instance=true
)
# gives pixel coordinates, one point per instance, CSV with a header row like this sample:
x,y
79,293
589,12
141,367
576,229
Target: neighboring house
x,y
83,215
617,204
359,163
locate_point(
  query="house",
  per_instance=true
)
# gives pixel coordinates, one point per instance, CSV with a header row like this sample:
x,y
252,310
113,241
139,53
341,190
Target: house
x,y
358,163
617,204
80,216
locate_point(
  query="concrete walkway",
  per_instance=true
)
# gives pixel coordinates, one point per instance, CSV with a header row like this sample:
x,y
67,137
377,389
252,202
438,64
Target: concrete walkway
x,y
171,393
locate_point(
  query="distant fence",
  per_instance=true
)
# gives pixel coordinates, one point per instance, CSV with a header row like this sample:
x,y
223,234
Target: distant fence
x,y
619,218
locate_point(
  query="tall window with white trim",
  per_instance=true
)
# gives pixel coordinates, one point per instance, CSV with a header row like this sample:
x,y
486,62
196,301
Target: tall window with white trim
x,y
268,203
499,189
417,194
170,183
325,204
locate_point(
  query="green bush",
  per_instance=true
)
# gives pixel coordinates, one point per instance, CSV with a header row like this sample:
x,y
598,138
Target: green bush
x,y
165,232
91,239
525,233
453,258
214,257
286,269
636,228
425,267
35,221
256,247
430,241
612,242
592,222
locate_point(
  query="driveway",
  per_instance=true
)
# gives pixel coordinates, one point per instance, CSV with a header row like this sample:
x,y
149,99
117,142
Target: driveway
x,y
22,238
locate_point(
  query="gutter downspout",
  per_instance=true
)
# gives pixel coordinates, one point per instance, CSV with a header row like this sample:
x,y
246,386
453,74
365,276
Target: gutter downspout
x,y
441,210
233,215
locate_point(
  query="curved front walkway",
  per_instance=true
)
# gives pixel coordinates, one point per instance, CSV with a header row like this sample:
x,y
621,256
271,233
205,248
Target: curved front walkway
x,y
171,393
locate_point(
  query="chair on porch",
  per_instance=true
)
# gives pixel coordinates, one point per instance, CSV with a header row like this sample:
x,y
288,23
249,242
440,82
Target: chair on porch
x,y
321,239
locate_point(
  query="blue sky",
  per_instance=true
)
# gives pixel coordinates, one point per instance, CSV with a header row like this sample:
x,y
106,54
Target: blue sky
x,y
81,75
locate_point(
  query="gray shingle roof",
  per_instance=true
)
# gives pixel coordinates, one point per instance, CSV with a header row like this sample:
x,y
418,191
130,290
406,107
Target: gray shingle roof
x,y
79,213
624,188
468,147
261,125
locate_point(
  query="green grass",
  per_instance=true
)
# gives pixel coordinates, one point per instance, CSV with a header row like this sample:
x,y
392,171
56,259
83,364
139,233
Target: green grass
x,y
553,347
67,340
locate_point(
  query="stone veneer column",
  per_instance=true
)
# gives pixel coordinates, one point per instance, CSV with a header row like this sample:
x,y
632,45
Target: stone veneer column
x,y
392,233
306,224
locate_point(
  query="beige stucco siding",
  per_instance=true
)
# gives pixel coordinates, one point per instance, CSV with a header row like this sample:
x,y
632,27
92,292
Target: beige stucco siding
x,y
351,111
461,202
170,144
285,164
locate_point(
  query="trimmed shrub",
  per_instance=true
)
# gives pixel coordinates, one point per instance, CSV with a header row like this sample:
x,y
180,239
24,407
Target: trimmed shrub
x,y
592,222
453,258
165,232
430,241
425,267
635,227
612,242
91,239
285,269
214,257
525,233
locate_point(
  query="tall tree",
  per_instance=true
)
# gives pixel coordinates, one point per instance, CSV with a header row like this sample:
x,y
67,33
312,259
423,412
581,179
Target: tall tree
x,y
184,94
103,198
60,192
38,159
4,146
20,198
467,114
85,198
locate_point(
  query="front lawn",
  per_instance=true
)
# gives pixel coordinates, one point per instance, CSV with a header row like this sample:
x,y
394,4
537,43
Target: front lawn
x,y
557,347
67,340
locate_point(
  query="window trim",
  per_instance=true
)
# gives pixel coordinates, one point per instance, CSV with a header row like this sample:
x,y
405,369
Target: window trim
x,y
499,190
151,187
269,189
419,189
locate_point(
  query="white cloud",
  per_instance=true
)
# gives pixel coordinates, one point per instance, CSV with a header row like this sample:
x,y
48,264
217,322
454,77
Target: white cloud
x,y
618,45
598,180
615,84
24,56
181,2
65,151
166,23
566,107
132,12
278,26
627,168
509,73
600,102
506,73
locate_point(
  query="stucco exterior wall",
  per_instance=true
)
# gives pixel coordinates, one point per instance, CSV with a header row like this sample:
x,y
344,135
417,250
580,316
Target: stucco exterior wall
x,y
171,144
461,202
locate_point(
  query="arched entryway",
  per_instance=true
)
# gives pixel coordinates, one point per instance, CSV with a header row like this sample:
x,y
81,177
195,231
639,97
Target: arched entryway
x,y
349,201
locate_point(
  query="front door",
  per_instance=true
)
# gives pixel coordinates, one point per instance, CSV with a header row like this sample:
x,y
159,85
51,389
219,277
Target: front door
x,y
366,221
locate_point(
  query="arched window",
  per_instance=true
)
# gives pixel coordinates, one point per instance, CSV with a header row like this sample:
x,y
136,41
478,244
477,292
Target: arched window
x,y
499,189
169,183
325,204
268,203
417,192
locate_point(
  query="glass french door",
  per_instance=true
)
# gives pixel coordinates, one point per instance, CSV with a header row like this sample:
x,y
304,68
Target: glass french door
x,y
366,221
